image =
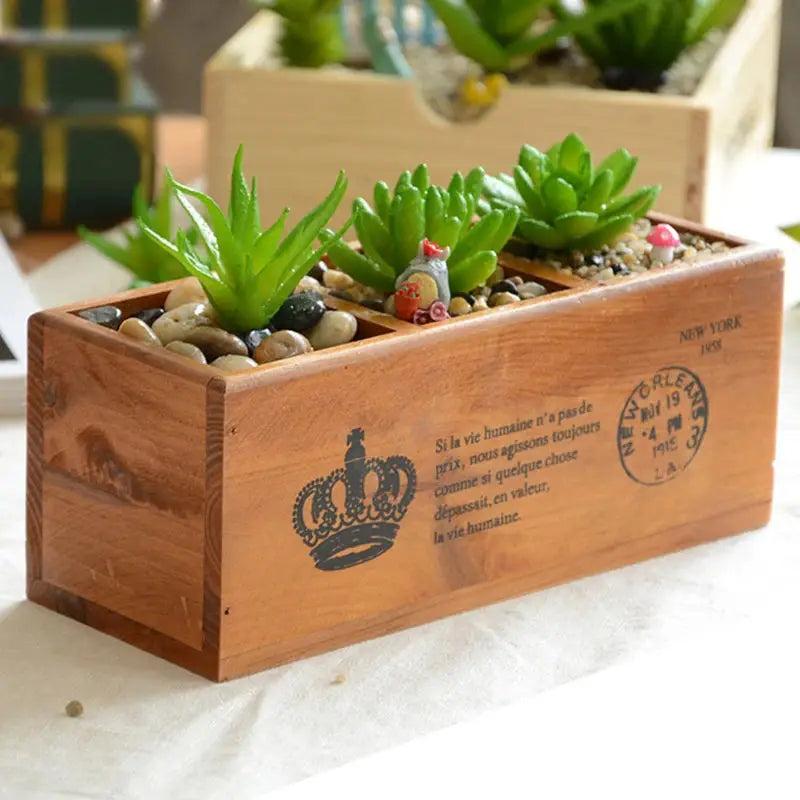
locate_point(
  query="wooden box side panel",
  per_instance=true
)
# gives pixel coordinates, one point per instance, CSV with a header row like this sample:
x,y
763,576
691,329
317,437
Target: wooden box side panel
x,y
117,478
375,127
741,90
547,442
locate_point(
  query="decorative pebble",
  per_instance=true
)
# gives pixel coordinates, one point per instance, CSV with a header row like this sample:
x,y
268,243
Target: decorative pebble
x,y
309,284
140,331
504,286
189,290
299,312
187,351
503,299
531,289
342,295
105,316
335,328
498,275
215,342
335,279
480,304
465,296
233,363
149,315
373,303
318,270
74,708
605,274
459,307
283,344
254,338
515,279
175,324
388,305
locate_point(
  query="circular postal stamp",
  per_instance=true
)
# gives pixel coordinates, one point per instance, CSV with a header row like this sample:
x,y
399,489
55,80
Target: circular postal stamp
x,y
662,425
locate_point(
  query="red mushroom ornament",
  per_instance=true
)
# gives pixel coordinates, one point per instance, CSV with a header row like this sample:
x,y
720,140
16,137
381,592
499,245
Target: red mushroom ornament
x,y
664,239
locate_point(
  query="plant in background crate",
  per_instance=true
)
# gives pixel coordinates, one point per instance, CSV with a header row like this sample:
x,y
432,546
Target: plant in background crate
x,y
311,34
423,229
566,203
147,261
634,49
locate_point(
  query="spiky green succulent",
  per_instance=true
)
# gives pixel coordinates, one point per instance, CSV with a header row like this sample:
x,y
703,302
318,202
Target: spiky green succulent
x,y
650,38
390,231
146,261
566,203
498,35
250,271
311,33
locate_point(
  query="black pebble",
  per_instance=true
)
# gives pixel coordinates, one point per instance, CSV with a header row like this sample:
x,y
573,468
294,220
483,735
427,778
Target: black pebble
x,y
373,303
107,316
254,338
299,312
318,270
149,315
505,286
341,295
554,55
466,295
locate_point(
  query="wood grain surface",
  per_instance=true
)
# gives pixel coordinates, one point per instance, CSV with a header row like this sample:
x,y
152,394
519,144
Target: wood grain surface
x,y
161,494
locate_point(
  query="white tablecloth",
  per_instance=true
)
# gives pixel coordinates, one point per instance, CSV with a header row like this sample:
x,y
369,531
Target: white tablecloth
x,y
151,730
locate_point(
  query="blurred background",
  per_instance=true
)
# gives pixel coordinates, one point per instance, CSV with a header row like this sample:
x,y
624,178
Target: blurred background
x,y
185,33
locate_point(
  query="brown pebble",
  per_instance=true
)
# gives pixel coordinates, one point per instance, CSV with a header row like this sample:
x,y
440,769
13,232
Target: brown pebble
x,y
139,331
459,307
215,342
233,363
503,299
187,351
74,708
480,305
175,324
282,344
189,290
335,279
335,328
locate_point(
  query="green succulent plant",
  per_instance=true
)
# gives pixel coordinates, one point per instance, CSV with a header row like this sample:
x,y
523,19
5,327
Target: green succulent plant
x,y
793,231
650,38
566,203
497,34
390,233
148,262
250,271
311,34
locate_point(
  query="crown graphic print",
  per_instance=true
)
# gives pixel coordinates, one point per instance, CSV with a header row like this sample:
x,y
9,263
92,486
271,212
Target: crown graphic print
x,y
376,494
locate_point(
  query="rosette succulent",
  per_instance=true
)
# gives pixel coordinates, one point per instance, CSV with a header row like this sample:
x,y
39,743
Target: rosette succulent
x,y
635,48
250,271
146,261
390,231
565,202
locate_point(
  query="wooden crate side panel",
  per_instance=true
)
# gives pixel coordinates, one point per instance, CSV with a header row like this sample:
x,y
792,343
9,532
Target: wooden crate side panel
x,y
375,127
741,92
582,503
124,465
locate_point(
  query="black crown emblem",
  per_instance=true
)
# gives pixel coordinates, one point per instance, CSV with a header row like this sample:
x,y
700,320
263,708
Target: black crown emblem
x,y
366,527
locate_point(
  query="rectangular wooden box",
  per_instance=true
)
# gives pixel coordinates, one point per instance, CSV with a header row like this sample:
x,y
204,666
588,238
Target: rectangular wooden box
x,y
229,523
300,126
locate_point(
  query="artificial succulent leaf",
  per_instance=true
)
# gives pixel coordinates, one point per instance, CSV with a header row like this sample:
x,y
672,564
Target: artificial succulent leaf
x,y
505,231
240,195
623,165
497,190
434,213
110,249
267,242
571,153
541,234
473,183
599,194
373,235
358,266
407,225
636,204
382,198
477,238
403,183
607,232
449,232
421,178
473,271
535,163
457,185
533,201
576,224
559,197
458,206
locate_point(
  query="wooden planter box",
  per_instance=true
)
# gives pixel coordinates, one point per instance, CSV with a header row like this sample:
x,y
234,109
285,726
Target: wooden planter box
x,y
300,126
215,521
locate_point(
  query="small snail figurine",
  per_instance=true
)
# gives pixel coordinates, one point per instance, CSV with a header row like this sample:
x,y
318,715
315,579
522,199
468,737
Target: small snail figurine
x,y
427,273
